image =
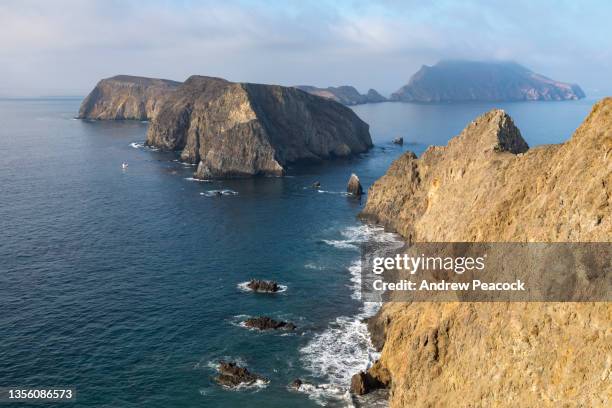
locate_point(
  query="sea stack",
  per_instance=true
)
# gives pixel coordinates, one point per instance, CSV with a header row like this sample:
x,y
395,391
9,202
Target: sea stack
x,y
354,186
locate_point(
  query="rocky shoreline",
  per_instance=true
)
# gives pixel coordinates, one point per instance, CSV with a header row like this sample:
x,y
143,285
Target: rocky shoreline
x,y
502,351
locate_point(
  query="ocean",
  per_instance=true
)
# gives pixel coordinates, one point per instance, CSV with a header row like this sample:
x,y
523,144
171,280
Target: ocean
x,y
125,283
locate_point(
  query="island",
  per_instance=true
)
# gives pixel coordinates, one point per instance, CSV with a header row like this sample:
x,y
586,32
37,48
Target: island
x,y
466,81
231,129
346,95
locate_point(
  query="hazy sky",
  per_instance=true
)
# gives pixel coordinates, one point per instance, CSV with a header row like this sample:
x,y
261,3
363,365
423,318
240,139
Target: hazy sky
x,y
64,47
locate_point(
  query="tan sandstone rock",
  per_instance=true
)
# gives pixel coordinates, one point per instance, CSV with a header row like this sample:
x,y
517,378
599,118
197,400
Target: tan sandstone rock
x,y
486,186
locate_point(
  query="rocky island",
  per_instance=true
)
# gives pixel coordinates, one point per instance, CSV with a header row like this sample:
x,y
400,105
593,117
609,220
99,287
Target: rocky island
x,y
465,81
346,95
486,185
232,129
125,97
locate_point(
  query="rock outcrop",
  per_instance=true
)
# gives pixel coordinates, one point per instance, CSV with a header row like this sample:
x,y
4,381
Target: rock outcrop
x,y
125,97
267,323
485,185
346,95
258,285
462,81
242,129
353,186
231,375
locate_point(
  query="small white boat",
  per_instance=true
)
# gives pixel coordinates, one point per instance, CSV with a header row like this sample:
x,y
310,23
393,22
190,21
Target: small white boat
x,y
124,166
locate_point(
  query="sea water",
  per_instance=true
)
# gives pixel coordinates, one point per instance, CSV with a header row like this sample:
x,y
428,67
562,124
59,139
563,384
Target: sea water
x,y
125,283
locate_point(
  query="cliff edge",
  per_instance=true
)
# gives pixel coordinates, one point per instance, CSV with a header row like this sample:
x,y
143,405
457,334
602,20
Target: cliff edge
x,y
487,185
125,97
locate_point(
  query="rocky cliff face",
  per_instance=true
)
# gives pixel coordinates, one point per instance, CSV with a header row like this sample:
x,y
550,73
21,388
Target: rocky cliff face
x,y
125,97
240,129
461,81
486,185
346,95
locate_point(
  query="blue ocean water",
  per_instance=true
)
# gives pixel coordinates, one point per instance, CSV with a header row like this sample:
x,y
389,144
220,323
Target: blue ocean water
x,y
124,283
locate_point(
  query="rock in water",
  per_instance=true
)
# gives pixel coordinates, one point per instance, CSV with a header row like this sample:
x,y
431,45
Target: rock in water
x,y
354,186
126,97
461,81
363,383
487,186
257,285
241,130
232,375
398,140
266,323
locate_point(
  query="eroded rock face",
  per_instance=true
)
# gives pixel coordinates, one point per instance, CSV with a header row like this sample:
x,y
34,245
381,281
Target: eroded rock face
x,y
460,81
242,130
486,186
232,375
125,97
266,323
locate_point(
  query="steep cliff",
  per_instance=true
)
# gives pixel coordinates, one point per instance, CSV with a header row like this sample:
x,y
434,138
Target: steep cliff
x,y
346,95
242,129
486,185
461,81
125,97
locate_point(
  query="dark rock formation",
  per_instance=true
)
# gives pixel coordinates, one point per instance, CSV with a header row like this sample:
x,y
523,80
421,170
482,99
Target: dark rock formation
x,y
316,185
363,382
461,81
346,95
354,186
232,375
258,285
266,323
242,130
398,140
296,384
126,97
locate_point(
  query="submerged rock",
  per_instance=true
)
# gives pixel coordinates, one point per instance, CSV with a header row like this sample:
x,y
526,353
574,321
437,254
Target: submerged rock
x,y
316,185
354,186
296,384
232,375
266,323
398,141
258,285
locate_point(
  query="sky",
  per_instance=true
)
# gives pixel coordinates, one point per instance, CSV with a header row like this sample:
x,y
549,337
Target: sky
x,y
63,47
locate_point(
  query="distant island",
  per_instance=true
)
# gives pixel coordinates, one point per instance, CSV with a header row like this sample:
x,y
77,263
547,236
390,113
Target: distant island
x,y
346,95
465,81
231,129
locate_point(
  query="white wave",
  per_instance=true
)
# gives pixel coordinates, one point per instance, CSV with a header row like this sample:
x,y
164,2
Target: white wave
x,y
322,393
345,348
364,233
137,145
341,244
216,193
244,286
197,180
311,265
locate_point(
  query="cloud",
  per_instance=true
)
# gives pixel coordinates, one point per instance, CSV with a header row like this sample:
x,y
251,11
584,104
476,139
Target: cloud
x,y
66,46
